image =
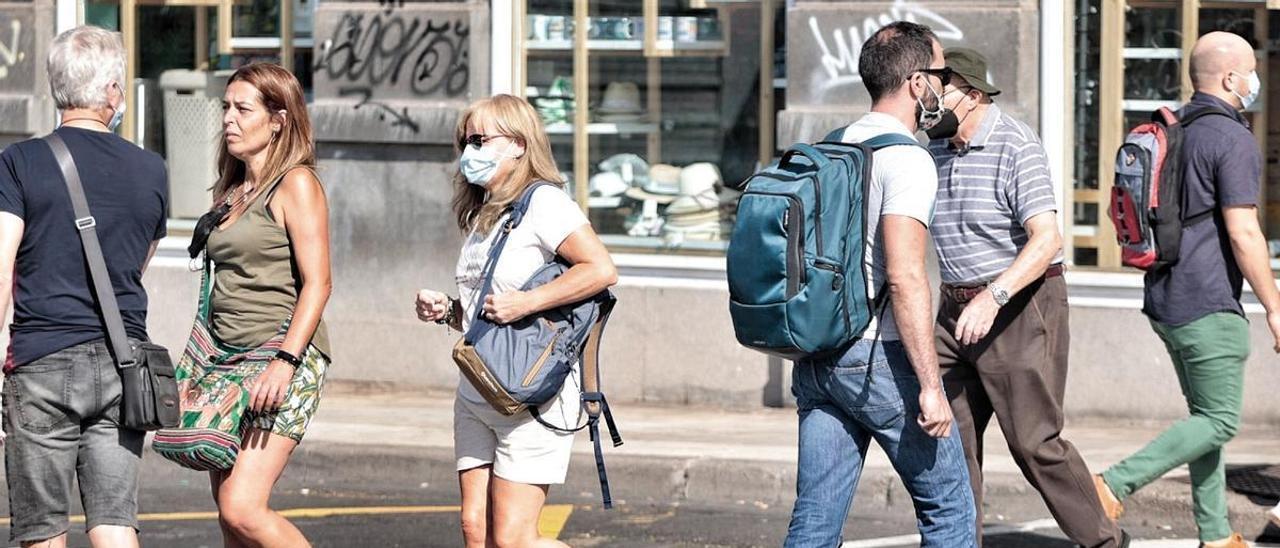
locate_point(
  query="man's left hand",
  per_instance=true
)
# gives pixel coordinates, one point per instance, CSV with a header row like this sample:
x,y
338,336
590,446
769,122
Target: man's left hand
x,y
976,319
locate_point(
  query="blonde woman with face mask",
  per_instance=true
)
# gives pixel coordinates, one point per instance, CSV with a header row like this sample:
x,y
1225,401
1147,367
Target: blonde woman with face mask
x,y
507,463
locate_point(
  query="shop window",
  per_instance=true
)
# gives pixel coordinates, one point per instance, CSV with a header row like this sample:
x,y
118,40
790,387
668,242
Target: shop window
x,y
1150,45
1088,45
674,115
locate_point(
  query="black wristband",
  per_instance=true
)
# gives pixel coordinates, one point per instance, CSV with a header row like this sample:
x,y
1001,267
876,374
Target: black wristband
x,y
285,356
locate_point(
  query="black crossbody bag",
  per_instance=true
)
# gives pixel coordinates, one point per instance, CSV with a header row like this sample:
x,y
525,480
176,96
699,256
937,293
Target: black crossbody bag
x,y
149,399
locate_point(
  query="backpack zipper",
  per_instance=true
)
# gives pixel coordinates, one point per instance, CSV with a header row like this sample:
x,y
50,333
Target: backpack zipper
x,y
542,359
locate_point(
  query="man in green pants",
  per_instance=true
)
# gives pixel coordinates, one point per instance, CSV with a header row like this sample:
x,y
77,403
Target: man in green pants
x,y
1194,305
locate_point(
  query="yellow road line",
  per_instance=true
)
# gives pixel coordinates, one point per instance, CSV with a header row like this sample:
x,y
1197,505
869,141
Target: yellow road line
x,y
550,523
553,519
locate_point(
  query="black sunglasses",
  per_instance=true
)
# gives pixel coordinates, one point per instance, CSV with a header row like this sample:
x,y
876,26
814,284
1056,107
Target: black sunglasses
x,y
943,73
476,140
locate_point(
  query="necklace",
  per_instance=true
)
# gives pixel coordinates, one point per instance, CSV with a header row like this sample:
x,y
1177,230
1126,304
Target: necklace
x,y
69,120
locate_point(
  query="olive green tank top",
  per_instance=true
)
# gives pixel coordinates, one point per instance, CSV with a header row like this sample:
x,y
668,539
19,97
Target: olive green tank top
x,y
256,280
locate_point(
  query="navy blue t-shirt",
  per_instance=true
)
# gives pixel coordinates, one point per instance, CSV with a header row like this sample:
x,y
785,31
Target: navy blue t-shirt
x,y
1222,168
127,190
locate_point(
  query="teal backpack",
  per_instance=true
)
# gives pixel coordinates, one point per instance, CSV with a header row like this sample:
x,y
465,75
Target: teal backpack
x,y
797,286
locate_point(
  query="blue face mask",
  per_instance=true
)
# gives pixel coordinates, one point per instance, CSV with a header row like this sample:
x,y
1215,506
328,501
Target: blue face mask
x,y
117,116
479,165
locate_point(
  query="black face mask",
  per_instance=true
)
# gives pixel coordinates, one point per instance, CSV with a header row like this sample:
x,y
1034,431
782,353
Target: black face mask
x,y
946,127
205,226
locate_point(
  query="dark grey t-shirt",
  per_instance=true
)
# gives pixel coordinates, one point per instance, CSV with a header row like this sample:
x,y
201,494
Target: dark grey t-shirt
x,y
1223,168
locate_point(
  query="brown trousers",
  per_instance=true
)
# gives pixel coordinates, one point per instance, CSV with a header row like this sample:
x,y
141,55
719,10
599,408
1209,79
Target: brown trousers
x,y
1019,373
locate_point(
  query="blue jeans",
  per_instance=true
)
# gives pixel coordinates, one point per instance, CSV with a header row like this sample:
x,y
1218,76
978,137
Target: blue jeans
x,y
872,392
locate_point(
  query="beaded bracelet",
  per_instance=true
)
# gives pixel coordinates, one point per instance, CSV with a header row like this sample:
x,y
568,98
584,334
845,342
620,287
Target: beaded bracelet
x,y
449,313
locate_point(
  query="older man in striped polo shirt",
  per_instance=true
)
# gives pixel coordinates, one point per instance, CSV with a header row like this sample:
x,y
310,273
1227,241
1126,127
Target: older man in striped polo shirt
x,y
1002,332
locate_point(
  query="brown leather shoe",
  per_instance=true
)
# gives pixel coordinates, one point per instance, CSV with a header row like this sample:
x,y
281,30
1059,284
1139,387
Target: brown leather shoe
x,y
1233,541
1110,504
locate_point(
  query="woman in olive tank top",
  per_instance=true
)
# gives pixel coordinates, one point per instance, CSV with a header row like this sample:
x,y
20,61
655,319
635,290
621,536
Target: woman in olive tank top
x,y
268,239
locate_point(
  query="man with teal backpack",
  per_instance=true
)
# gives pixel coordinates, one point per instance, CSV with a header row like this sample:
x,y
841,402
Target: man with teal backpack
x,y
851,303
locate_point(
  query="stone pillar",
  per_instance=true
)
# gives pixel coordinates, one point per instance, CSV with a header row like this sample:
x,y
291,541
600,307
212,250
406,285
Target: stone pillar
x,y
390,78
824,38
26,29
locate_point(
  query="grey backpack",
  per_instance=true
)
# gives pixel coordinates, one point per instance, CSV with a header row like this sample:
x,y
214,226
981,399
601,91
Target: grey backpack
x,y
522,365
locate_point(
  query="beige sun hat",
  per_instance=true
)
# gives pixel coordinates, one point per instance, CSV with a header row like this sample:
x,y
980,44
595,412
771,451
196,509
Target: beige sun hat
x,y
662,187
621,98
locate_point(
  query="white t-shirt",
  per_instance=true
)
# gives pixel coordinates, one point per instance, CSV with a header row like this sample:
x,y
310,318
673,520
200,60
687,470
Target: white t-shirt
x,y
904,181
552,217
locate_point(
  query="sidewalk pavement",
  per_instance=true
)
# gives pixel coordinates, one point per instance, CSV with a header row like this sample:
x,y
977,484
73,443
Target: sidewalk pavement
x,y
710,455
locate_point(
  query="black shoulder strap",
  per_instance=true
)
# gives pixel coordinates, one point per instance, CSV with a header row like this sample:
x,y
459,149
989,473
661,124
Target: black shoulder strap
x,y
85,225
1191,116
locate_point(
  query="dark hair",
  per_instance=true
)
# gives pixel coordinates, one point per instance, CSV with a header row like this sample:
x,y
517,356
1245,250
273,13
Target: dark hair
x,y
891,55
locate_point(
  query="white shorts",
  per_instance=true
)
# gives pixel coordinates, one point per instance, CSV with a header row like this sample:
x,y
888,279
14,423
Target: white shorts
x,y
519,448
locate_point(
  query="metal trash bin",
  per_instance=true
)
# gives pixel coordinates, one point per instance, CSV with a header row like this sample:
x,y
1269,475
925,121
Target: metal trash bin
x,y
192,132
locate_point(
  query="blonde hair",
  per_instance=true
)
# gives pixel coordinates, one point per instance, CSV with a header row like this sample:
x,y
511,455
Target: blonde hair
x,y
294,147
515,118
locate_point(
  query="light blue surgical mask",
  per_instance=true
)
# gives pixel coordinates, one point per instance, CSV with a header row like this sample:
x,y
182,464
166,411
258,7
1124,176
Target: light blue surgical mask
x,y
479,165
1255,87
118,116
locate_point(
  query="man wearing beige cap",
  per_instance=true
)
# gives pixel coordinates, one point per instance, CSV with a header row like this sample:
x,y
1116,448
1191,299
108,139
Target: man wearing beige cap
x,y
1001,332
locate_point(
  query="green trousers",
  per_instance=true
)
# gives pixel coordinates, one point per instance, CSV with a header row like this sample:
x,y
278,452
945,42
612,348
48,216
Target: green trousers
x,y
1208,355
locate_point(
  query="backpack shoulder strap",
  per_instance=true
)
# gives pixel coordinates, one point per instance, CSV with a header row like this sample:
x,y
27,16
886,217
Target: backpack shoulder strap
x,y
886,140
1194,115
517,211
593,400
836,135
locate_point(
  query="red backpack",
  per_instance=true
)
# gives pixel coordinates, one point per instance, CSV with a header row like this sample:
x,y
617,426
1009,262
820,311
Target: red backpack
x,y
1146,199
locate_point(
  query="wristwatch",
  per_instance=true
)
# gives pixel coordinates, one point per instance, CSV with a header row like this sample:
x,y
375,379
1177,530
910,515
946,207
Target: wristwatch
x,y
1000,294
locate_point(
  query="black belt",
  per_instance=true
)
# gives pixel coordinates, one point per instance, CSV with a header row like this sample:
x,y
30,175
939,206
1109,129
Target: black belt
x,y
964,293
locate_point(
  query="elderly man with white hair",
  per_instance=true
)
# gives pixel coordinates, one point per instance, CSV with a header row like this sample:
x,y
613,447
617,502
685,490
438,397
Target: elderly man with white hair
x,y
61,388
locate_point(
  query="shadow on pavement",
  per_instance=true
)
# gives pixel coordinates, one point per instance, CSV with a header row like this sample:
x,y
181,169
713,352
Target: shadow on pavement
x,y
1023,540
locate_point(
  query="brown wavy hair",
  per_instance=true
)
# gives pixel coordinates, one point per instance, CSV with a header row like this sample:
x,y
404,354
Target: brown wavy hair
x,y
515,118
295,146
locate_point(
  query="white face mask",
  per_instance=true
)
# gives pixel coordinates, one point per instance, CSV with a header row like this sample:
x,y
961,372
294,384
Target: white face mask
x,y
479,165
1255,87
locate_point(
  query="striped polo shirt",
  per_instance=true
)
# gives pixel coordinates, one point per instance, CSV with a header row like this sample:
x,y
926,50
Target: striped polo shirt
x,y
986,193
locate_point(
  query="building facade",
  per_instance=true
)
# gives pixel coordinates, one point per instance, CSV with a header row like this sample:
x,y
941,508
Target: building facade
x,y
652,106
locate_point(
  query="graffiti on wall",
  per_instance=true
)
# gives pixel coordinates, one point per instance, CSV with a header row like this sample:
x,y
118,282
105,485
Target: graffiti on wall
x,y
839,57
396,54
10,54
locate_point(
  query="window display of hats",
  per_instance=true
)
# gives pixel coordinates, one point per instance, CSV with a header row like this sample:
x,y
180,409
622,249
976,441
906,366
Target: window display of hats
x,y
621,103
696,214
557,105
618,173
662,185
661,188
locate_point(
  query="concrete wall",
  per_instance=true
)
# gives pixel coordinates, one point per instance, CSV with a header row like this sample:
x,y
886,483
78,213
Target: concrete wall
x,y
26,28
824,38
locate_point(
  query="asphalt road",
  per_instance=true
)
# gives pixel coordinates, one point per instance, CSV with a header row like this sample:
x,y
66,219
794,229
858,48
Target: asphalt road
x,y
419,510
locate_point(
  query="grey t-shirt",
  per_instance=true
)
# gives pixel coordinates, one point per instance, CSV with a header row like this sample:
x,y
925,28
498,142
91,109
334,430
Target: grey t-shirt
x,y
1223,168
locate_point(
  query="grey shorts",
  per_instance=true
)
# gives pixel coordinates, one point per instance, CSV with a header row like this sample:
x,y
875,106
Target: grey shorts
x,y
61,416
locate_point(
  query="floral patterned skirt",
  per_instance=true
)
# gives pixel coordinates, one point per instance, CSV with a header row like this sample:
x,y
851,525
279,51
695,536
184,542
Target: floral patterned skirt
x,y
291,419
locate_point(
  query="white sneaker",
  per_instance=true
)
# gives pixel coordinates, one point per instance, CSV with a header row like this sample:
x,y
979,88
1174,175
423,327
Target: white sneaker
x,y
1274,515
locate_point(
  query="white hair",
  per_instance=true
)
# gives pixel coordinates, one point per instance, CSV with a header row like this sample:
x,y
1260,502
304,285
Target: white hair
x,y
83,62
